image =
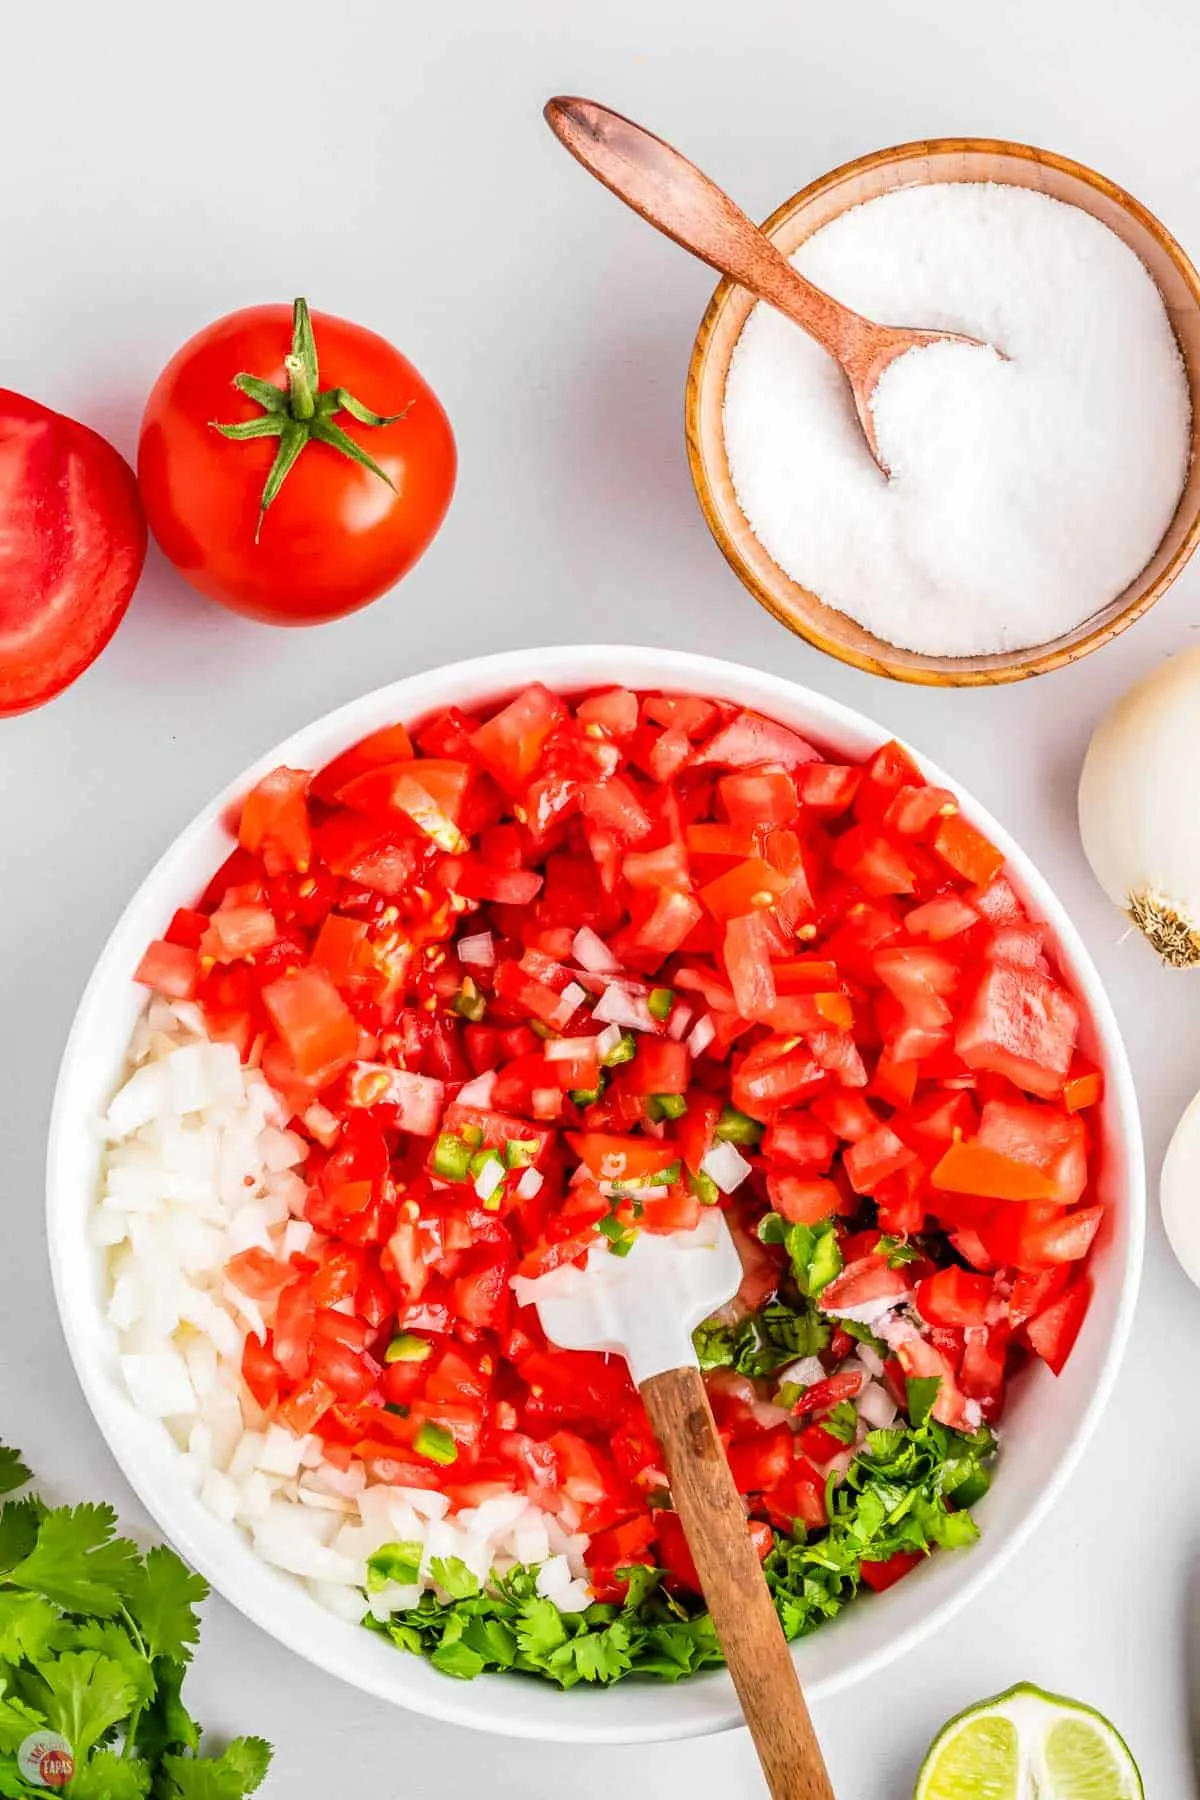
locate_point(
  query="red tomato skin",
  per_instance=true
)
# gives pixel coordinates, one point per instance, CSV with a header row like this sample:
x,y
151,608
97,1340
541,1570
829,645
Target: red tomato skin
x,y
73,548
336,537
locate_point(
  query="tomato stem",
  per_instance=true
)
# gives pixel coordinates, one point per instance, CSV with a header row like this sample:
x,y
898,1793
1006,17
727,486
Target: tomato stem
x,y
301,413
303,400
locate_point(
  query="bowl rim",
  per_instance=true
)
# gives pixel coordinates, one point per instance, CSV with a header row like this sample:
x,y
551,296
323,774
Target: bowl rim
x,y
1040,660
496,1703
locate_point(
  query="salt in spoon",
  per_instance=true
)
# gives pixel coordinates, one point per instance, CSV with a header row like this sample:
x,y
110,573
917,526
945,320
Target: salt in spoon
x,y
643,1307
671,193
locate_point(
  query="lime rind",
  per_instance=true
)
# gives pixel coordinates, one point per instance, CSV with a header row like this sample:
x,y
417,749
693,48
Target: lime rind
x,y
1026,1744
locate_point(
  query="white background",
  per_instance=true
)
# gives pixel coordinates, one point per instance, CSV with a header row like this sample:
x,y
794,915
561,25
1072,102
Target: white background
x,y
162,166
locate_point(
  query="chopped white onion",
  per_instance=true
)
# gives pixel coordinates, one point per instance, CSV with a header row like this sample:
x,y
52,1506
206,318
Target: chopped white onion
x,y
617,1006
701,1035
569,1002
876,1407
530,1184
479,1091
679,1021
804,1373
572,1049
477,951
489,1178
593,954
608,1041
725,1165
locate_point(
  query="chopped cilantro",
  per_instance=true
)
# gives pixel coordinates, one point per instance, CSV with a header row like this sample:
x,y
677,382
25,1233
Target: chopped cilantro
x,y
922,1391
764,1342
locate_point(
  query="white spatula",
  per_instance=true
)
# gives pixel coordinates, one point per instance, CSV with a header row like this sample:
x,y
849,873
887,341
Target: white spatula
x,y
644,1306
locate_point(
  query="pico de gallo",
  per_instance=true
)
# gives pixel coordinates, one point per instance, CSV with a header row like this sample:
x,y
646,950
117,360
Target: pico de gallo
x,y
545,976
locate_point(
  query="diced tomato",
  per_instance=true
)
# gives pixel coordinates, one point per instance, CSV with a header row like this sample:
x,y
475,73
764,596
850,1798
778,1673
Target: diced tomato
x,y
819,1445
879,1576
799,1498
1021,1024
800,1141
172,969
1043,1138
260,1372
864,1282
803,1200
976,1168
1053,1332
953,1297
827,788
389,745
890,769
762,1461
317,1027
615,710
662,1067
965,850
823,1396
274,822
775,1074
878,866
1083,1087
511,742
749,741
875,1157
759,800
1033,1293
946,916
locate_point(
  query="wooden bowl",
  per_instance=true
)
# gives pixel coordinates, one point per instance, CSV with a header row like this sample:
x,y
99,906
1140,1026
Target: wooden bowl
x,y
940,159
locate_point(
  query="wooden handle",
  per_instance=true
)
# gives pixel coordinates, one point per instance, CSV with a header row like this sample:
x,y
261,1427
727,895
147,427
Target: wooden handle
x,y
714,1523
672,194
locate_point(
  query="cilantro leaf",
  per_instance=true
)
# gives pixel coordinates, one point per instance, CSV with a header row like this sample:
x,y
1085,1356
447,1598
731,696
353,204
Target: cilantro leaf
x,y
17,1720
13,1785
13,1473
107,1776
764,1342
399,1562
162,1594
77,1562
19,1521
83,1694
842,1422
230,1776
452,1574
111,1639
166,1723
29,1627
922,1391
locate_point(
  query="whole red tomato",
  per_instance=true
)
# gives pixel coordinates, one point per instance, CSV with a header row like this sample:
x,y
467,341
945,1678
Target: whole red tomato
x,y
293,489
72,543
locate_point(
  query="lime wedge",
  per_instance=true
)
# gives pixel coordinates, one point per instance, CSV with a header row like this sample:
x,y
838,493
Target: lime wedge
x,y
1026,1742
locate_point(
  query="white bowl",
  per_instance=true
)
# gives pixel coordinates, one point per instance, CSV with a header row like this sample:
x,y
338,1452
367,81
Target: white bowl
x,y
1046,1426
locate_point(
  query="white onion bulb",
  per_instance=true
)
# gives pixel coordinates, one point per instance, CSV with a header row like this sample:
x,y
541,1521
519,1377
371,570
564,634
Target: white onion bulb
x,y
1137,807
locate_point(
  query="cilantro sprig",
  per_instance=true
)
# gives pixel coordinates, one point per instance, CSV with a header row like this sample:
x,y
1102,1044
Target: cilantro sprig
x,y
95,1639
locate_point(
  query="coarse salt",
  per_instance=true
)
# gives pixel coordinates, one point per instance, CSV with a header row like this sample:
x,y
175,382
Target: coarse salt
x,y
1027,490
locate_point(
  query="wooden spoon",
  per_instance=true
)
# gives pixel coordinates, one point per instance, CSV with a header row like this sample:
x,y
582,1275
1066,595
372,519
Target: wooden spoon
x,y
670,192
644,1306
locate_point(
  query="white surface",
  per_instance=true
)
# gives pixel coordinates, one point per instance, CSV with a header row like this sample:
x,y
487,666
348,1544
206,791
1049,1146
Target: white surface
x,y
1050,1420
154,181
